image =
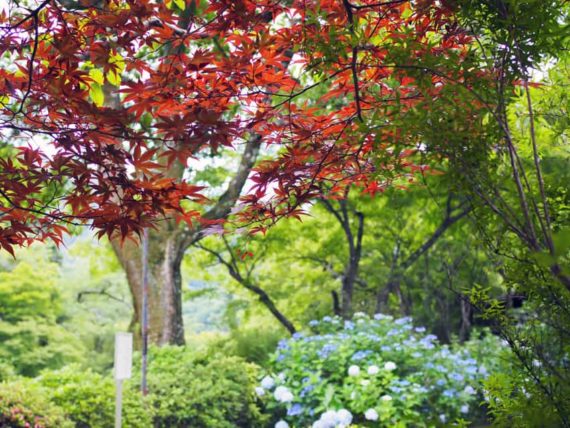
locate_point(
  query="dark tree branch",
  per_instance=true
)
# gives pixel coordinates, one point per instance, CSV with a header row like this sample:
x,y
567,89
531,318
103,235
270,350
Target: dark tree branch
x,y
227,200
100,293
264,298
449,220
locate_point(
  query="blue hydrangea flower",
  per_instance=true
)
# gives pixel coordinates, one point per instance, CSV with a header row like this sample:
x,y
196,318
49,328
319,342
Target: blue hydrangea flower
x,y
295,409
327,349
360,355
402,321
457,377
306,390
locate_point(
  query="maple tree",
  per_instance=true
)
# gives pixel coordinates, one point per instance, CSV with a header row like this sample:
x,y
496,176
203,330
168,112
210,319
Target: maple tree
x,y
124,93
188,78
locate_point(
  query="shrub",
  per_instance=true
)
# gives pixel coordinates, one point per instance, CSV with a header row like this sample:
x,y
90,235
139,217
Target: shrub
x,y
23,404
253,344
187,390
370,372
88,398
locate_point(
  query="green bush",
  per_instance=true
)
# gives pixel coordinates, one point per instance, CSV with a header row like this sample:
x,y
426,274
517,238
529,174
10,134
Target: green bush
x,y
187,390
253,344
24,404
88,399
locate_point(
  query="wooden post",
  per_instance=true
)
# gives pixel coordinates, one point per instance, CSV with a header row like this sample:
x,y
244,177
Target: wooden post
x,y
144,326
122,371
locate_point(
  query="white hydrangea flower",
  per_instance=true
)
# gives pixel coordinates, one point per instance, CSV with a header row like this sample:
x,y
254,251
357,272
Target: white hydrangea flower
x,y
267,382
283,395
386,398
281,376
281,424
365,382
464,409
469,390
328,419
372,370
442,418
353,371
343,417
390,365
371,415
259,391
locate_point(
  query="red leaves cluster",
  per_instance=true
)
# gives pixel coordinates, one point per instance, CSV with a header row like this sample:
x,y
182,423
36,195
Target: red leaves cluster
x,y
110,102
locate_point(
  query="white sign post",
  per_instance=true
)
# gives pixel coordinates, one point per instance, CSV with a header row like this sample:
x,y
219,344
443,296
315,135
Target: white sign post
x,y
123,367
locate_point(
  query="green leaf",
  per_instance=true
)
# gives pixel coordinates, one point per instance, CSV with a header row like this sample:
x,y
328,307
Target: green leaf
x,y
561,242
97,76
114,78
96,94
329,393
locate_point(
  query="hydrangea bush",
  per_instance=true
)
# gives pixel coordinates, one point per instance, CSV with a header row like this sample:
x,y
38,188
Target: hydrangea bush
x,y
371,372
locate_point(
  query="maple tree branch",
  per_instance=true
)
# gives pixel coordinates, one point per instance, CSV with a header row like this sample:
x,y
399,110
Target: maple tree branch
x,y
40,212
33,14
354,60
384,3
356,84
227,200
31,66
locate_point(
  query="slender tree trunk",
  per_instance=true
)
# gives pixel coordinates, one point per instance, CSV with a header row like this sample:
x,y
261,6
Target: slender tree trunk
x,y
165,283
466,318
348,281
383,296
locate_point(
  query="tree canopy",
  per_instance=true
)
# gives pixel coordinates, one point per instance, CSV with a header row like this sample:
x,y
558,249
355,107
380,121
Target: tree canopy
x,y
104,100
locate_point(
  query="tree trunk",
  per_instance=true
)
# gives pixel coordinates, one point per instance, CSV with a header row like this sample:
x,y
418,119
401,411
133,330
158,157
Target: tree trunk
x,y
383,296
165,283
466,318
167,244
348,281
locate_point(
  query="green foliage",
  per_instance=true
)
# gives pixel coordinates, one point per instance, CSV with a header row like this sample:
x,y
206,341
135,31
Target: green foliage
x,y
536,28
97,299
32,333
380,370
253,344
88,398
24,404
527,397
30,346
187,390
